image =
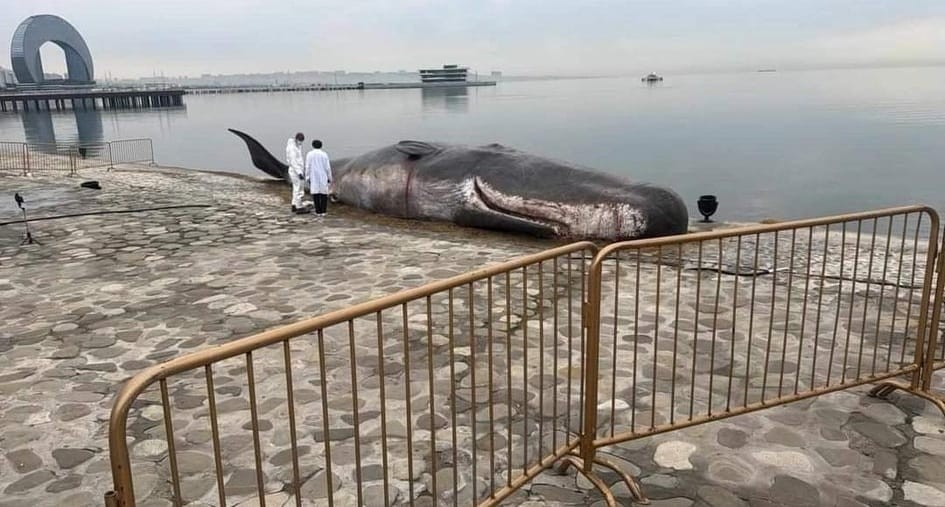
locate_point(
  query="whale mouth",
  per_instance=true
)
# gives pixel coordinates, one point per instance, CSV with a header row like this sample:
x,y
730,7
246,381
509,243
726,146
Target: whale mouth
x,y
602,219
515,207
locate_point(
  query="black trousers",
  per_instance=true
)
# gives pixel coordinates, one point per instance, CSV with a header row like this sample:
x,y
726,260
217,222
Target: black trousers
x,y
321,203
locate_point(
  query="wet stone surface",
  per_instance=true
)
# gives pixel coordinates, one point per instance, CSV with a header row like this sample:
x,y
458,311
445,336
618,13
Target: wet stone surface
x,y
106,296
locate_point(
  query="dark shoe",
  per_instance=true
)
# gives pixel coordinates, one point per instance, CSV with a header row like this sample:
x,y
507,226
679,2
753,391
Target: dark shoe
x,y
294,209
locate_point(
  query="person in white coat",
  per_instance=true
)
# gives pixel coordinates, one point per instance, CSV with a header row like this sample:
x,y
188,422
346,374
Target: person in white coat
x,y
318,173
293,157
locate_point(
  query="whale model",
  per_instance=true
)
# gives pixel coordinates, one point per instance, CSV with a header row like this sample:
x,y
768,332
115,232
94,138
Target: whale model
x,y
495,187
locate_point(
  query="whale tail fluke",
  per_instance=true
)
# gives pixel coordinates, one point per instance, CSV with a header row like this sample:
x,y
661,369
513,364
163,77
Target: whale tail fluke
x,y
262,159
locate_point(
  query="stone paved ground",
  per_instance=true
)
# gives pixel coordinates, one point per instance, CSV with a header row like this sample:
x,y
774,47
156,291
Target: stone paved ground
x,y
105,296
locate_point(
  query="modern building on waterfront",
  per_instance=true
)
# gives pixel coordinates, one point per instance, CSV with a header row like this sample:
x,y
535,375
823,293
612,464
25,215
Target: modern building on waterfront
x,y
30,36
32,88
448,74
7,78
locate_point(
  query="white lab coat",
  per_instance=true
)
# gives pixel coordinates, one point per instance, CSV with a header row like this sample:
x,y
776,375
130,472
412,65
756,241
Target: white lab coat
x,y
318,171
293,157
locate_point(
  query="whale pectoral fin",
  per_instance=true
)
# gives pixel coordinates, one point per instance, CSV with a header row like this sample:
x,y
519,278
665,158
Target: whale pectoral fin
x,y
490,219
415,149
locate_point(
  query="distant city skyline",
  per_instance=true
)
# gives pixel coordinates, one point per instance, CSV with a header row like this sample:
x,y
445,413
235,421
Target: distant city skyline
x,y
519,38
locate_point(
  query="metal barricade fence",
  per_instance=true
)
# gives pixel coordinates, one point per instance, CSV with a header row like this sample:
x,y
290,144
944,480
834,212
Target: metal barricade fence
x,y
47,158
127,151
90,155
13,157
690,329
937,347
32,158
461,391
935,356
466,389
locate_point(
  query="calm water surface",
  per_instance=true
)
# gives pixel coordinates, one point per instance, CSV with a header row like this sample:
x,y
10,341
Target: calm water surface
x,y
770,145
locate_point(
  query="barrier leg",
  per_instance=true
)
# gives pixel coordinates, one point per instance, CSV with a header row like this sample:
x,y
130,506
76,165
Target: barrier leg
x,y
921,383
583,469
586,469
635,489
111,499
884,389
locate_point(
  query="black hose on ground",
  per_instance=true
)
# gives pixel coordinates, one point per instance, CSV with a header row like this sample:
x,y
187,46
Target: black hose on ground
x,y
106,212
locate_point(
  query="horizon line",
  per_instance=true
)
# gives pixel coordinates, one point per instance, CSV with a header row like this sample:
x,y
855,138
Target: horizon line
x,y
566,75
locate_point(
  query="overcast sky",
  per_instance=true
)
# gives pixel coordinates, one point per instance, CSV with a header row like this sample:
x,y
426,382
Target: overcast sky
x,y
132,38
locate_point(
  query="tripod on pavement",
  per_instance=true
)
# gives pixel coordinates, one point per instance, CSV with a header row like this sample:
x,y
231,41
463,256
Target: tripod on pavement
x,y
28,237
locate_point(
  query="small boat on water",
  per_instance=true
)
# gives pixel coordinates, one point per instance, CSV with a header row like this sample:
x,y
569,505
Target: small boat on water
x,y
652,78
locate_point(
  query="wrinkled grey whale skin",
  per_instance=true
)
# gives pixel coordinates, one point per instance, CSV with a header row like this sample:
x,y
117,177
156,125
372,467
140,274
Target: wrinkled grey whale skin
x,y
495,187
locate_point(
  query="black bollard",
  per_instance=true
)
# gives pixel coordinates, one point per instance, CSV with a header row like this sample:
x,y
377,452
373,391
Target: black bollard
x,y
708,204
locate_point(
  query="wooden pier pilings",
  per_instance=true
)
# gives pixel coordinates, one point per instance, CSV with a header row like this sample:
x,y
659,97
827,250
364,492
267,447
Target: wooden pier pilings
x,y
60,100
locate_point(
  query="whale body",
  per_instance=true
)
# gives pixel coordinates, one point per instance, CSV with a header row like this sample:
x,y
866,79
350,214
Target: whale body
x,y
496,187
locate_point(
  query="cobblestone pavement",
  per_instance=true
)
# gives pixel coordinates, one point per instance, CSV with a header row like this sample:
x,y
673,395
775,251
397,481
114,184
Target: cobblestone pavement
x,y
105,296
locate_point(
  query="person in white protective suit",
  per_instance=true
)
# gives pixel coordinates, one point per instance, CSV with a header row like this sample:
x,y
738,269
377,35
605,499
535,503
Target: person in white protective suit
x,y
293,157
318,172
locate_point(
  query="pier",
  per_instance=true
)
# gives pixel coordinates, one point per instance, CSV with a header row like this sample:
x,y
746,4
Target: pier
x,y
213,90
60,100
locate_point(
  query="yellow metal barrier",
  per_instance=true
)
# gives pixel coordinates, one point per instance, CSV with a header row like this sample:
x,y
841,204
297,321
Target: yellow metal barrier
x,y
695,328
466,389
461,390
935,355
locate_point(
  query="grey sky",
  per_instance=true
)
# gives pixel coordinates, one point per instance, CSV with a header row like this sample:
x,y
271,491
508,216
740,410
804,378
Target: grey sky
x,y
131,38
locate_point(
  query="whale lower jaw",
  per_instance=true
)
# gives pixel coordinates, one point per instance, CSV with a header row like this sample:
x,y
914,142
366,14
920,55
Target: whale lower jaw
x,y
604,220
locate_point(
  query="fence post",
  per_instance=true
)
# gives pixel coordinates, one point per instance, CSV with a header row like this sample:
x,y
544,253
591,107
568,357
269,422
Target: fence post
x,y
938,284
591,317
925,329
73,161
111,162
26,160
151,151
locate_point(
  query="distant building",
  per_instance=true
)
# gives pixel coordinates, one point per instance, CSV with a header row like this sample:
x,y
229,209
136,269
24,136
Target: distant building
x,y
448,74
153,80
27,61
496,75
7,78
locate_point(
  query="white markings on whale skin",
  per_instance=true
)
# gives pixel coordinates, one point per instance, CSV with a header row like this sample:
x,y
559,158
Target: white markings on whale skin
x,y
438,199
379,189
385,190
605,220
389,189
